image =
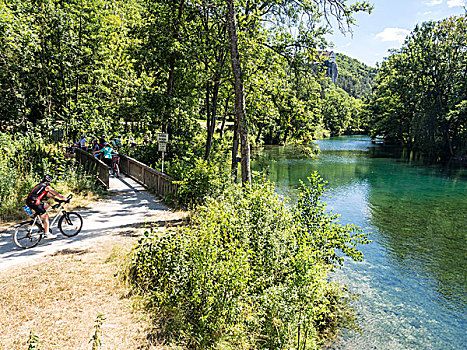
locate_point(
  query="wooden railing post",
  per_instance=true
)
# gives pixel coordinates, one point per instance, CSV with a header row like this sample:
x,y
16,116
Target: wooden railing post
x,y
94,166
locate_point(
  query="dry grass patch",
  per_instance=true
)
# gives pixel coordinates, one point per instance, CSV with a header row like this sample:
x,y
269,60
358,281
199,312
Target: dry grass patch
x,y
60,299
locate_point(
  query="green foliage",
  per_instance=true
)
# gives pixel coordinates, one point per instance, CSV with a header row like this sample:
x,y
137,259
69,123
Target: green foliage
x,y
95,340
23,161
419,100
66,61
33,341
199,181
341,113
251,270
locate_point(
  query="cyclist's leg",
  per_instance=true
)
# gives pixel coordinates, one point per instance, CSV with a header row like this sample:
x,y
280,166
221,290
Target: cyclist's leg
x,y
45,217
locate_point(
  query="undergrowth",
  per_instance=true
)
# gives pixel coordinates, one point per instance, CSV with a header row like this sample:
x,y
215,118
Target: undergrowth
x,y
251,271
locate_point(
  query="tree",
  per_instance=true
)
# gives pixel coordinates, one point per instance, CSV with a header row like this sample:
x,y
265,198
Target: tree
x,y
420,87
240,112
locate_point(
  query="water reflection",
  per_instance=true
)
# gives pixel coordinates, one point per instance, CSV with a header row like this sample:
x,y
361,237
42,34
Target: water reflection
x,y
413,281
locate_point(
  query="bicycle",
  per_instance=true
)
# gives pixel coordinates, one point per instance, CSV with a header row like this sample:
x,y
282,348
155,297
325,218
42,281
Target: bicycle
x,y
29,233
115,169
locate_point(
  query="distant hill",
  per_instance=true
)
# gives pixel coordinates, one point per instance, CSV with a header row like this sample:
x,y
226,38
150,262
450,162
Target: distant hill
x,y
355,77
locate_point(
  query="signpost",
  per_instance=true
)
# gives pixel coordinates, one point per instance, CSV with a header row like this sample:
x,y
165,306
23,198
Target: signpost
x,y
162,140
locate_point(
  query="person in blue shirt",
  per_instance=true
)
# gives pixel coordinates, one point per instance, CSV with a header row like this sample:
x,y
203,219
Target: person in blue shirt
x,y
118,141
107,152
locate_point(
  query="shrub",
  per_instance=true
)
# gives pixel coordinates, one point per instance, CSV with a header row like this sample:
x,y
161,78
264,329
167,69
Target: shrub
x,y
248,271
200,181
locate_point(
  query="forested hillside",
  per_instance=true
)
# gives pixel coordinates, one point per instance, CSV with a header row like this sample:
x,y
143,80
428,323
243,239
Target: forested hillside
x,y
355,77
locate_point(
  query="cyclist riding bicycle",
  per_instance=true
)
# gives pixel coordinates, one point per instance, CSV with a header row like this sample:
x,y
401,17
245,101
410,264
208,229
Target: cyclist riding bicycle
x,y
107,151
35,201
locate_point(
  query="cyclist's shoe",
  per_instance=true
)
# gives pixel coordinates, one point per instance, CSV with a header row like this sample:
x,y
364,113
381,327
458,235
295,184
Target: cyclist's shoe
x,y
50,235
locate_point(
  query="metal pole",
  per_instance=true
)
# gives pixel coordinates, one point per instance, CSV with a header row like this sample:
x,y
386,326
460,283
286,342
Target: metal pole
x,y
163,161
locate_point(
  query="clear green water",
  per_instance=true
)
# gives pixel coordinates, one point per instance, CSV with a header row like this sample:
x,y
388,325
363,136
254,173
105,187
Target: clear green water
x,y
413,282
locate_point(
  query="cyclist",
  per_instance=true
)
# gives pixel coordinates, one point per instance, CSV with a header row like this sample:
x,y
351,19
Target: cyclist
x,y
147,140
113,143
102,141
132,142
95,146
118,141
107,151
35,201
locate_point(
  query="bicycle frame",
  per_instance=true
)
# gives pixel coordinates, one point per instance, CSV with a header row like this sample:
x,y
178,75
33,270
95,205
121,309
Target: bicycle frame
x,y
54,220
115,159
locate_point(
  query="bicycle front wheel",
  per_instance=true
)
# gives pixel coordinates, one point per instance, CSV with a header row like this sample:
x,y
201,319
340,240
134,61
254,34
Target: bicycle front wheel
x,y
116,171
27,235
70,224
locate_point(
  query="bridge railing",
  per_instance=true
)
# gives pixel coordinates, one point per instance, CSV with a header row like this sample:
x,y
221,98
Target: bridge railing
x,y
93,166
149,177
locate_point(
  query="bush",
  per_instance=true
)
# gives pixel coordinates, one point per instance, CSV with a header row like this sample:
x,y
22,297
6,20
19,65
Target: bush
x,y
247,271
200,181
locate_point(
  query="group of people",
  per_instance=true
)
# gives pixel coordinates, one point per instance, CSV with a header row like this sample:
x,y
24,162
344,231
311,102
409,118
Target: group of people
x,y
98,144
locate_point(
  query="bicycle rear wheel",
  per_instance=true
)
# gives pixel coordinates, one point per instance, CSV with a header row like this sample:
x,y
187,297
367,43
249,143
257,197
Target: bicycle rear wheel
x,y
70,224
27,235
116,170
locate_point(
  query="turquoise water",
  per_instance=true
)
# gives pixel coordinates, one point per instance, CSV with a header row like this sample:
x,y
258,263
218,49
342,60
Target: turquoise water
x,y
413,282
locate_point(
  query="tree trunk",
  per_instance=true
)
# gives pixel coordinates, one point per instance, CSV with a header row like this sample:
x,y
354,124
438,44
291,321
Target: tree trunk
x,y
258,136
208,121
170,80
235,153
221,132
240,112
78,63
212,122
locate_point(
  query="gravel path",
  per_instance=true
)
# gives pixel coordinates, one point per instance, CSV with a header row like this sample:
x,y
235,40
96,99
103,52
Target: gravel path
x,y
128,205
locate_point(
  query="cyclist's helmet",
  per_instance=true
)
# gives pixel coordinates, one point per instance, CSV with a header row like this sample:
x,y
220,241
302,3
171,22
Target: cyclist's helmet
x,y
47,178
106,143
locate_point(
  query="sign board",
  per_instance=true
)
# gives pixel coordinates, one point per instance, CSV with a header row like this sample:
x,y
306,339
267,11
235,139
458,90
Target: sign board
x,y
162,146
163,137
57,135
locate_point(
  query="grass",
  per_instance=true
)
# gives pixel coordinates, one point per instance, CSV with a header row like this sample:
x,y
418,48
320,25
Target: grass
x,y
60,298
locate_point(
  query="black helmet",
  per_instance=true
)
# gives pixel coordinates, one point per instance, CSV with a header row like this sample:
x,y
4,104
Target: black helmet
x,y
47,178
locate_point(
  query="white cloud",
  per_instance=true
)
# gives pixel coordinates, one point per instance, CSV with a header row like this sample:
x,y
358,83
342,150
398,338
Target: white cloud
x,y
393,34
433,2
455,3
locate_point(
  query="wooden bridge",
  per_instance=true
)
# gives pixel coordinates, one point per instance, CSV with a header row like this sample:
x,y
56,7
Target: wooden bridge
x,y
150,178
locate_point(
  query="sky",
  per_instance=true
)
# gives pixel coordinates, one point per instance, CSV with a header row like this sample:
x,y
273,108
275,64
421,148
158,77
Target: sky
x,y
388,25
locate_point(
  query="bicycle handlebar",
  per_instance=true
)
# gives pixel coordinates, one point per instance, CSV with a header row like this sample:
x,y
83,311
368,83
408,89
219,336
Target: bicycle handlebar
x,y
67,200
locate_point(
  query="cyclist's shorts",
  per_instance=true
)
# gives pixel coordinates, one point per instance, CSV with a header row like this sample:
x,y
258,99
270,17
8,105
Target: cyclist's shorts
x,y
39,209
108,161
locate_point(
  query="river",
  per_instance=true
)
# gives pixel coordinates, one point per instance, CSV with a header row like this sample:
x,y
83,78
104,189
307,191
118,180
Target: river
x,y
412,285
